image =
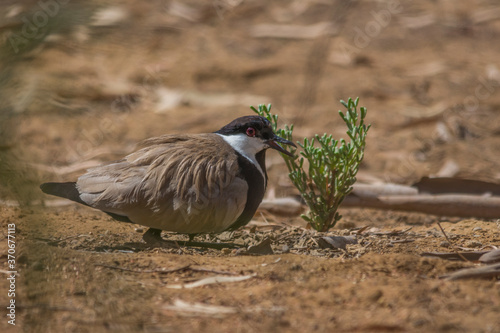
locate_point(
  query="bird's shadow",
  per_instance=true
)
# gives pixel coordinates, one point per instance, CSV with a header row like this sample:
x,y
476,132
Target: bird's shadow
x,y
168,244
134,247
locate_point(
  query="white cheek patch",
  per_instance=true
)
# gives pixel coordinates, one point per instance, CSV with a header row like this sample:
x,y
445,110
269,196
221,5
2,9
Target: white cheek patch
x,y
247,147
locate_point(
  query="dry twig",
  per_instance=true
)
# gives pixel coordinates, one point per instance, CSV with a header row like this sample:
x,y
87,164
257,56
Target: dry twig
x,y
451,243
163,271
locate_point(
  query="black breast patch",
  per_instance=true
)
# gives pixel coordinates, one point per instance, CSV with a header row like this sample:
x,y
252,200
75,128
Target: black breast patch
x,y
256,187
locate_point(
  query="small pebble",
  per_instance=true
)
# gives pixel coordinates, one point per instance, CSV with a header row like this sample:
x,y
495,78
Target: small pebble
x,y
444,244
477,229
139,229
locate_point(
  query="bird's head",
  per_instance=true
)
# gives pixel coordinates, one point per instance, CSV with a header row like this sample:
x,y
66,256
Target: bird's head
x,y
253,134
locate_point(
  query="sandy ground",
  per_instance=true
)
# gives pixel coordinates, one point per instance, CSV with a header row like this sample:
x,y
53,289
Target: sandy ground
x,y
100,76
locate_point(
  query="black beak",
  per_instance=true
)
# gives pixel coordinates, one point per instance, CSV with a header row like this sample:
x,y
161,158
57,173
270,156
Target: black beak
x,y
273,143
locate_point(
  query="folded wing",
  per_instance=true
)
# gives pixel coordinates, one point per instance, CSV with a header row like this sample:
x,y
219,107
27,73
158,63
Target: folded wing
x,y
174,183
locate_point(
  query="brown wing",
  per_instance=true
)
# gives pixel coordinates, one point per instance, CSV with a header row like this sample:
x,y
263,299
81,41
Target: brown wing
x,y
187,184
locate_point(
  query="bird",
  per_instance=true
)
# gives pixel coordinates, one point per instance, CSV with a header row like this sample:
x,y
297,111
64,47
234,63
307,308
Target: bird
x,y
185,183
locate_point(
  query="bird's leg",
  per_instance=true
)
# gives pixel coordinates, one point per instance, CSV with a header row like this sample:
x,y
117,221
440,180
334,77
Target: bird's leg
x,y
152,237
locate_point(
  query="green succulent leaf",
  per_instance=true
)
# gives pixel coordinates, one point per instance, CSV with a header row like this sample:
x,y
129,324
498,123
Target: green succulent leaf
x,y
332,164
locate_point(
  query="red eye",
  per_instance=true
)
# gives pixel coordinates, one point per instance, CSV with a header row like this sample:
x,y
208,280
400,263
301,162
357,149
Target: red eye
x,y
251,131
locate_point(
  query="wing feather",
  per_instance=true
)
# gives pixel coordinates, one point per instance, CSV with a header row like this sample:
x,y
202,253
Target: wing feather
x,y
179,183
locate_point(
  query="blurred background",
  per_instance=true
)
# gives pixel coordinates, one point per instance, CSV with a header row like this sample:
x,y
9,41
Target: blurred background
x,y
83,81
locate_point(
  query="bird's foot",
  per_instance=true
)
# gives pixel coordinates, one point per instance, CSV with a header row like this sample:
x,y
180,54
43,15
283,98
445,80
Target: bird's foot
x,y
153,238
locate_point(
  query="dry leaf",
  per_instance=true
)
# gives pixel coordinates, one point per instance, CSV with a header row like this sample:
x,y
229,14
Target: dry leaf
x,y
449,169
463,205
168,99
365,190
485,15
418,22
472,256
456,185
490,257
476,272
293,31
336,242
110,16
199,309
263,248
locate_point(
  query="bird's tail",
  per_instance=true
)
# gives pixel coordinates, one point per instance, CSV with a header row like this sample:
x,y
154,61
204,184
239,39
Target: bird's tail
x,y
64,190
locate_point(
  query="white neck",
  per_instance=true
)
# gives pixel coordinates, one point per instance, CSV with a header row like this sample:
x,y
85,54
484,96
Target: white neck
x,y
248,147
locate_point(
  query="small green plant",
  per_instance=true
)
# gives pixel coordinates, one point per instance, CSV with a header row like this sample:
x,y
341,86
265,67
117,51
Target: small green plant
x,y
331,168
